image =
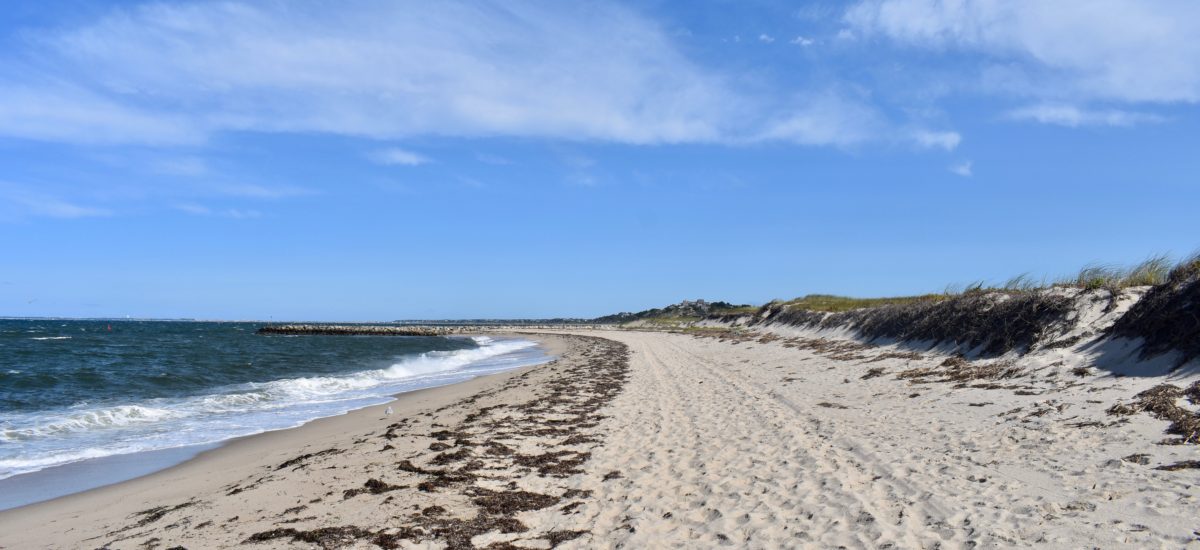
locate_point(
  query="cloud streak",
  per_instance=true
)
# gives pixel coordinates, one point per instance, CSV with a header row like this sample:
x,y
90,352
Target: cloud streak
x,y
963,169
234,213
375,69
401,157
947,141
170,74
17,202
1072,116
1115,50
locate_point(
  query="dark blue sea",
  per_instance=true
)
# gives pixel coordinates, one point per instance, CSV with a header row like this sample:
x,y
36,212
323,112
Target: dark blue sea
x,y
77,390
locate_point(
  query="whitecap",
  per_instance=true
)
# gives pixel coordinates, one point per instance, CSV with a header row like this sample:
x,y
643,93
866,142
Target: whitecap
x,y
84,430
104,418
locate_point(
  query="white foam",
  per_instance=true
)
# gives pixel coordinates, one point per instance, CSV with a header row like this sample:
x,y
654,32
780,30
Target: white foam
x,y
50,338
38,440
113,417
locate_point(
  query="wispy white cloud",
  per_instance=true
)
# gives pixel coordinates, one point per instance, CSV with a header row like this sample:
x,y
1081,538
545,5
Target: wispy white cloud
x,y
766,38
255,191
1072,116
243,214
61,113
18,202
962,168
940,140
394,156
1116,50
169,74
497,160
801,41
193,208
827,119
370,68
234,213
180,166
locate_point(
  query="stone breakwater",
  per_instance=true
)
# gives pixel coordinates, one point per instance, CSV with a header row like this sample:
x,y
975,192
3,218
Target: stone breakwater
x,y
411,330
363,330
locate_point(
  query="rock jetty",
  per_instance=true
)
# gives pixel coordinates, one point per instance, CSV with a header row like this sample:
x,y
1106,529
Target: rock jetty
x,y
357,330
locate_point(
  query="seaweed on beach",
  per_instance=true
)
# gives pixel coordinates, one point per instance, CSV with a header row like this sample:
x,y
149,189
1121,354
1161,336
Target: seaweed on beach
x,y
829,405
555,464
300,461
373,486
565,406
1161,402
456,456
510,502
1167,317
959,371
158,512
325,537
556,538
873,373
439,478
1182,465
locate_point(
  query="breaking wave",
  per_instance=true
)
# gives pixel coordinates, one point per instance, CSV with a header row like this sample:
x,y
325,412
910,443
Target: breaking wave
x,y
36,440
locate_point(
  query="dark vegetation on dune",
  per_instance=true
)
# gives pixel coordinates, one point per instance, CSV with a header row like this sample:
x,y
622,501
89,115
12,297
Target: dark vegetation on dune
x,y
1013,317
685,310
992,321
1167,318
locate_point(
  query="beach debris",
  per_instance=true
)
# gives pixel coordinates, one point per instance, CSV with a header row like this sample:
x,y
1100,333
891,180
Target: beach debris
x,y
299,461
373,486
1137,458
325,537
558,537
1182,465
872,373
1161,402
158,512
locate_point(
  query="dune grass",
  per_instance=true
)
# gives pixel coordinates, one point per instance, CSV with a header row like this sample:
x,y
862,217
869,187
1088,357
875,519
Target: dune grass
x,y
831,303
1155,270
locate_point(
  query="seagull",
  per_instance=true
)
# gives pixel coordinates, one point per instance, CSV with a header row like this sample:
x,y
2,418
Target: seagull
x,y
388,412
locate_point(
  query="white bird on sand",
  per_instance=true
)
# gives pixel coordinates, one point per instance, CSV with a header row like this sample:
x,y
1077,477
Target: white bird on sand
x,y
388,412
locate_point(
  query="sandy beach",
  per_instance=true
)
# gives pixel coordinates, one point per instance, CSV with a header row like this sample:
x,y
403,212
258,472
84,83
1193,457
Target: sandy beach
x,y
640,439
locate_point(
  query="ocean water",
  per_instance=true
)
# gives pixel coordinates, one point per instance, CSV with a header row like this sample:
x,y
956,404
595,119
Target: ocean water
x,y
77,390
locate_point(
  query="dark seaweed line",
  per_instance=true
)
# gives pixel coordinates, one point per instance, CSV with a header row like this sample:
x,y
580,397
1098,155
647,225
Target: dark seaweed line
x,y
577,392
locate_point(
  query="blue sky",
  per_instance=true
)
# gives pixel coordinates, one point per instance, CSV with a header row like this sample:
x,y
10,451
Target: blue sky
x,y
375,160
